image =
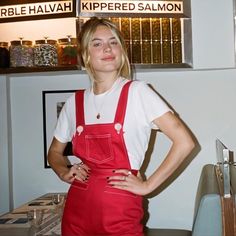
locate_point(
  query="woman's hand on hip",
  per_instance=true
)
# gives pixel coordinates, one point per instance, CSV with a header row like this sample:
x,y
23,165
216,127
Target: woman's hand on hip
x,y
125,180
78,171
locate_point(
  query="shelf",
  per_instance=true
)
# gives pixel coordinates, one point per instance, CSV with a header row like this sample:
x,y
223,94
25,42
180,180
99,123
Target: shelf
x,y
16,70
36,69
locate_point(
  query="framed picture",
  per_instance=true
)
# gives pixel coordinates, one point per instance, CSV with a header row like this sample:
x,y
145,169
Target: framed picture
x,y
53,102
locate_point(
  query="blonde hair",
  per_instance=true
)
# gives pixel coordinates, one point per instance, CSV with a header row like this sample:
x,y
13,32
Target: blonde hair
x,y
85,36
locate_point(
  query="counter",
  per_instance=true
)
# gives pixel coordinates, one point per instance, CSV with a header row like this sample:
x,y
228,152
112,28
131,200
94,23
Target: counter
x,y
16,223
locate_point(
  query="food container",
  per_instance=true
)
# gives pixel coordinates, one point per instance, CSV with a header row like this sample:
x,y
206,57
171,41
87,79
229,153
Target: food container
x,y
4,55
136,51
45,52
67,51
21,53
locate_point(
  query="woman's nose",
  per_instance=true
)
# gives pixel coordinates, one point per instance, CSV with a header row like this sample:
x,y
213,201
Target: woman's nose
x,y
107,47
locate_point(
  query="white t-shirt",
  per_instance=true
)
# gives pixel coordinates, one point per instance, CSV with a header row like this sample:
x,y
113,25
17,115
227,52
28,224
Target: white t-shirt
x,y
143,106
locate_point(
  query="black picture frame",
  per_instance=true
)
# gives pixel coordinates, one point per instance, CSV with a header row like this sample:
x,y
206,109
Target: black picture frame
x,y
53,101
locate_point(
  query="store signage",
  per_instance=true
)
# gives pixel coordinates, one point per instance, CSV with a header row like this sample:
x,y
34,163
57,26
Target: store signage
x,y
25,10
129,7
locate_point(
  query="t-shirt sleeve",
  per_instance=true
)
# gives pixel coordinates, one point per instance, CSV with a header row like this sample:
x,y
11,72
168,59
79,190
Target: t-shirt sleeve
x,y
65,127
150,103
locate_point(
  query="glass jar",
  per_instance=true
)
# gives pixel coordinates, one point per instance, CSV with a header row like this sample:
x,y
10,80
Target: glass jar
x,y
156,52
45,52
4,55
135,29
166,51
67,51
136,52
146,52
21,53
177,50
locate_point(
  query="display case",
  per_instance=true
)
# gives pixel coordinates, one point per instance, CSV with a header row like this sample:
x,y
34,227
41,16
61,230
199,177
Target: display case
x,y
157,33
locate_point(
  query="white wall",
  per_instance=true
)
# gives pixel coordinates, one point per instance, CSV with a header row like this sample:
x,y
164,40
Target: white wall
x,y
4,144
213,34
203,97
27,131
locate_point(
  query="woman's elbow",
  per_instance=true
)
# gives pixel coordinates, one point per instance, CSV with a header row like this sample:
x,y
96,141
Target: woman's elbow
x,y
189,145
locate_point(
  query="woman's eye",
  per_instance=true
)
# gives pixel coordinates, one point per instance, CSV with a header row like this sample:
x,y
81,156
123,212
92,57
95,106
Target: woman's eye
x,y
96,44
114,42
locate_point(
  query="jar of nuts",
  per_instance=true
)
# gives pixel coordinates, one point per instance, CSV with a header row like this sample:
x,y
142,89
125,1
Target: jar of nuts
x,y
21,53
45,52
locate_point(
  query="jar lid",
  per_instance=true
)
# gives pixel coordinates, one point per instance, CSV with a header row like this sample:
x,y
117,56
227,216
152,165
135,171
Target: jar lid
x,y
46,41
3,44
19,42
68,40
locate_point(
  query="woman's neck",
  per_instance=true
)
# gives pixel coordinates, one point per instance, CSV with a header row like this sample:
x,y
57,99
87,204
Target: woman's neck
x,y
103,84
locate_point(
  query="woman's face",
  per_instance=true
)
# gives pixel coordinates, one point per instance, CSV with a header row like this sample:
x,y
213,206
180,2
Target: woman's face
x,y
105,51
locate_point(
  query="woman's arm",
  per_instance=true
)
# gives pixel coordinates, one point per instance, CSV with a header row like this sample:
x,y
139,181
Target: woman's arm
x,y
59,164
182,145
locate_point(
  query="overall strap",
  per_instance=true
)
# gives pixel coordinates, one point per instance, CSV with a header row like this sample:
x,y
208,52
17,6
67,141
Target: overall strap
x,y
122,104
79,107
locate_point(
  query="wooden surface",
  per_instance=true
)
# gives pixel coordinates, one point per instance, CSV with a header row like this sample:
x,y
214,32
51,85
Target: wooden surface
x,y
49,226
227,207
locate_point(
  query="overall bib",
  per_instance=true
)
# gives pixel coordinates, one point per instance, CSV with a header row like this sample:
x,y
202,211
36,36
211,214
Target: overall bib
x,y
93,207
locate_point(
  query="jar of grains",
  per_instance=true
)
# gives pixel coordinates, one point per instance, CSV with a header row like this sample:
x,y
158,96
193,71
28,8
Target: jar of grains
x,y
4,55
21,53
67,51
45,52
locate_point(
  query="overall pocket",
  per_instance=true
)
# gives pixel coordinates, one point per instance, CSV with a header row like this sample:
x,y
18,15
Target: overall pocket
x,y
99,148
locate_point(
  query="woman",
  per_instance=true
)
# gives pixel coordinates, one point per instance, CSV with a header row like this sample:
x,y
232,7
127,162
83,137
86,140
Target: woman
x,y
109,125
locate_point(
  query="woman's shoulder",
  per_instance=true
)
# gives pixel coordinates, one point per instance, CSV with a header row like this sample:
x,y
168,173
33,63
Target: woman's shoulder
x,y
136,84
139,86
70,102
71,98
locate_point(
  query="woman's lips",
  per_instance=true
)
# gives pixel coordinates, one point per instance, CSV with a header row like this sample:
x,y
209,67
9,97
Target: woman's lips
x,y
108,58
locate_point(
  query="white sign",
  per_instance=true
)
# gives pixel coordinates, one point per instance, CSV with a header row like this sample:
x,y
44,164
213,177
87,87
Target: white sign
x,y
34,9
144,6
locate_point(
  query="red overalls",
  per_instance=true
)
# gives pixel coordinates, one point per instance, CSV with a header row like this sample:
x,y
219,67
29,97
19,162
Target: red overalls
x,y
93,207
